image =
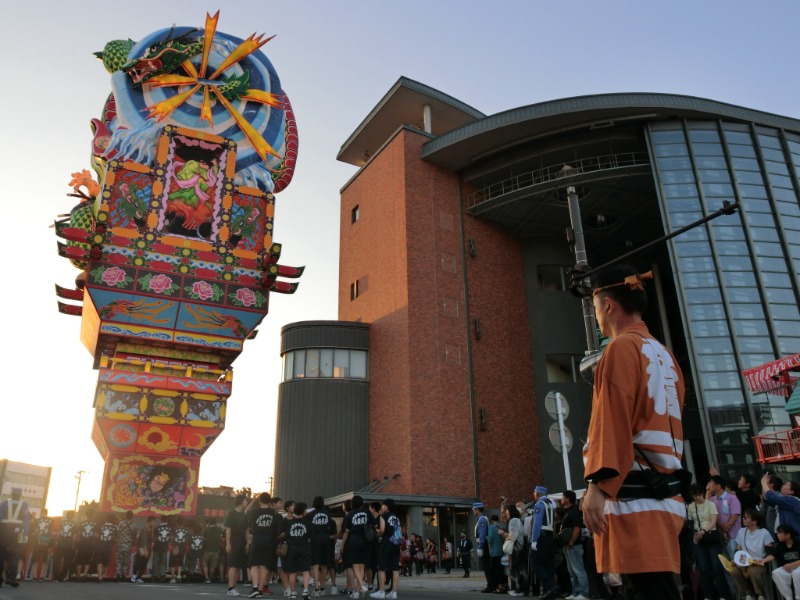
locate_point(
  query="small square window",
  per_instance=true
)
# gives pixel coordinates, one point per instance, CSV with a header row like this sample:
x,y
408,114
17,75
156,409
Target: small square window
x,y
354,214
358,287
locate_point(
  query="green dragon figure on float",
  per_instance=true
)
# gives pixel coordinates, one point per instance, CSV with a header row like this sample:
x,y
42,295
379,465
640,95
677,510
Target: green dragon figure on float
x,y
173,239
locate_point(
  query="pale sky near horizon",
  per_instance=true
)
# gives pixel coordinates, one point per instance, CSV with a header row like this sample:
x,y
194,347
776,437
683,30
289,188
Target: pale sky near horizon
x,y
336,60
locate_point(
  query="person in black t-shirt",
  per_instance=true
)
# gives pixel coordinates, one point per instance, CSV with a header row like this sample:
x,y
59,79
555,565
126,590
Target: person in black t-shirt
x,y
87,533
162,534
177,552
573,547
298,557
355,541
389,553
106,532
323,531
43,537
212,538
65,547
264,530
236,542
195,550
786,553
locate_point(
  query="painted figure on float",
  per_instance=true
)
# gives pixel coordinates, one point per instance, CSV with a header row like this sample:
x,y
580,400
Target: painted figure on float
x,y
173,238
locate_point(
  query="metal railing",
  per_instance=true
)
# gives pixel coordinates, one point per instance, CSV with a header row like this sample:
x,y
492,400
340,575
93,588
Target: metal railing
x,y
782,446
559,171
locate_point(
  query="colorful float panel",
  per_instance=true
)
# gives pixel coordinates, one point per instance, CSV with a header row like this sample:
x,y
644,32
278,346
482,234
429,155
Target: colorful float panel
x,y
150,485
175,243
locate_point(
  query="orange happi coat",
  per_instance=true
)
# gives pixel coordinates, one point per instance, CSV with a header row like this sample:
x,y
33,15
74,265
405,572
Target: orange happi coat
x,y
637,399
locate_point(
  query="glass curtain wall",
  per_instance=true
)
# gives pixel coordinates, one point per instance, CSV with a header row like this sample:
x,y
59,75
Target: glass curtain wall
x,y
737,275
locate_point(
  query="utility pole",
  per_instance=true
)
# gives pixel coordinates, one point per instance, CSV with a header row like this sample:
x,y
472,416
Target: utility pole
x,y
79,475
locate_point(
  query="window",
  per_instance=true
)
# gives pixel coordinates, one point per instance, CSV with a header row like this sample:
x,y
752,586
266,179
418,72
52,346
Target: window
x,y
299,370
312,362
553,277
341,363
358,364
358,287
354,214
325,363
288,365
563,368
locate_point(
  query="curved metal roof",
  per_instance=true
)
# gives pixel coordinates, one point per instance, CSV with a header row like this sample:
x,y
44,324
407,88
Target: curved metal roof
x,y
496,133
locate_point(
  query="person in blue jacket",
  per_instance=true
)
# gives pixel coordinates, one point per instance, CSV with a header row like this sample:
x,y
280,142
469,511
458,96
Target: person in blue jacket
x,y
543,543
787,501
482,544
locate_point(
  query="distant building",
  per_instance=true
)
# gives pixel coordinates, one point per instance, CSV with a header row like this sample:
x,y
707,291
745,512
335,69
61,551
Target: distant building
x,y
220,490
33,479
453,254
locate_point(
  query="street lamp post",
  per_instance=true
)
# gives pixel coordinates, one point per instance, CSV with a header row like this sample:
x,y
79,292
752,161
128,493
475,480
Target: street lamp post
x,y
582,266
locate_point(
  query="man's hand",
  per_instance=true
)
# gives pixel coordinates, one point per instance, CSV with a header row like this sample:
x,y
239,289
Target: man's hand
x,y
533,546
479,552
593,508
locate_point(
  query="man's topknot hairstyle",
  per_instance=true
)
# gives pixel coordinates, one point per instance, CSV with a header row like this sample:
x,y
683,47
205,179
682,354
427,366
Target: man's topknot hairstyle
x,y
613,280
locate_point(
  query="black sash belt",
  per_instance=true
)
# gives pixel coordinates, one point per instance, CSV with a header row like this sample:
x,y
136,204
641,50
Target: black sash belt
x,y
638,484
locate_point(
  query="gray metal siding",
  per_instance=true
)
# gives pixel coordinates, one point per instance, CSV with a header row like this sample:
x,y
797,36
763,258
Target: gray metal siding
x,y
325,334
322,441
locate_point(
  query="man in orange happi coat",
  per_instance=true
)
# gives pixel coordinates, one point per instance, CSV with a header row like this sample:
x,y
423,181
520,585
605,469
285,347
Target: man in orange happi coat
x,y
635,426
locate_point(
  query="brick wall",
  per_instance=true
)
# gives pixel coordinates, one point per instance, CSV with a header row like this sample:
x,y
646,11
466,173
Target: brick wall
x,y
407,247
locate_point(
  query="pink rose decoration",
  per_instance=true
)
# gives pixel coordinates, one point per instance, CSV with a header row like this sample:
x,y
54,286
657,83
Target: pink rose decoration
x,y
160,283
113,276
245,296
202,289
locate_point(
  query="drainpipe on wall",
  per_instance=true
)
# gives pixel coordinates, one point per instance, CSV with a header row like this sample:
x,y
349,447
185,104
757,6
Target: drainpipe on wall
x,y
467,321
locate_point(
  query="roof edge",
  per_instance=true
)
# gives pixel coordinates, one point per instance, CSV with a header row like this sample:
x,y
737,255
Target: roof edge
x,y
617,100
417,87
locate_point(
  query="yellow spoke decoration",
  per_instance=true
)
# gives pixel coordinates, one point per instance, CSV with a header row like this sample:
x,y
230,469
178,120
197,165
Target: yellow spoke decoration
x,y
263,97
193,78
171,80
261,146
164,108
243,50
205,110
189,68
211,28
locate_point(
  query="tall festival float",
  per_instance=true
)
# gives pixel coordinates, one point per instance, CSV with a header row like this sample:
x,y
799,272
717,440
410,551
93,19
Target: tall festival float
x,y
173,238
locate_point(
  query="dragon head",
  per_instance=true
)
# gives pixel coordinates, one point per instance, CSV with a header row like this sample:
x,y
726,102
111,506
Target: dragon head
x,y
115,54
162,57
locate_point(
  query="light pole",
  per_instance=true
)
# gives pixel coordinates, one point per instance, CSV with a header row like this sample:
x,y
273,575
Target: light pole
x,y
582,266
78,476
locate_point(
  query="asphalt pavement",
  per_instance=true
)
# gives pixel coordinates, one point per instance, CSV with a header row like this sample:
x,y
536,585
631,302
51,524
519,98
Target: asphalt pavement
x,y
429,586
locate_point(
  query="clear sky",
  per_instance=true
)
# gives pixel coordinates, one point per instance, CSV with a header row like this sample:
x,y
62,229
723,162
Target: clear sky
x,y
336,59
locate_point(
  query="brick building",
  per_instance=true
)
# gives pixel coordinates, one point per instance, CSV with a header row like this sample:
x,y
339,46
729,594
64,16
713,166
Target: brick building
x,y
454,263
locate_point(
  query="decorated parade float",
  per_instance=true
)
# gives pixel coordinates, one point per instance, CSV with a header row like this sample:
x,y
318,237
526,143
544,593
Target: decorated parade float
x,y
173,240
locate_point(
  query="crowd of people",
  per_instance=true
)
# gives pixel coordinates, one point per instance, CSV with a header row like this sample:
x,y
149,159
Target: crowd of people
x,y
290,542
542,547
537,548
263,541
750,524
